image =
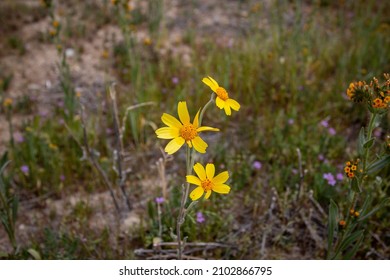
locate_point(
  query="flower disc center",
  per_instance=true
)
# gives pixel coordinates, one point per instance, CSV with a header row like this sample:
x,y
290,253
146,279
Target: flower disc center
x,y
222,93
188,132
207,185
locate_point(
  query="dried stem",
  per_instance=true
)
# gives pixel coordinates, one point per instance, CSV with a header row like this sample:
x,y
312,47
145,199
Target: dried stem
x,y
87,150
120,149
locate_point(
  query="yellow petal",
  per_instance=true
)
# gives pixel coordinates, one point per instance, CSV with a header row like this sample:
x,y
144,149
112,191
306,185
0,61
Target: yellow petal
x,y
196,119
167,132
196,193
174,145
170,121
220,178
184,116
199,170
219,102
208,193
193,180
210,171
221,188
207,128
189,144
210,83
233,104
227,109
214,82
199,144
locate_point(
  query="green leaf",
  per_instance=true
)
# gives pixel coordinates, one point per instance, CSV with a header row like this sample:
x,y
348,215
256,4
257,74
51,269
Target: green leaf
x,y
332,224
34,254
366,204
362,140
378,164
349,255
351,238
355,185
381,204
15,205
368,144
372,110
4,159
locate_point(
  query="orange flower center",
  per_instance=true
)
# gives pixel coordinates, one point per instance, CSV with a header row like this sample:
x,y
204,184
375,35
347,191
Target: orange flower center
x,y
207,185
222,93
188,132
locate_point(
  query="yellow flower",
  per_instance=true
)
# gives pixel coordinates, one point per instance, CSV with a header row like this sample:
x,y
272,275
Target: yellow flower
x,y
56,23
7,102
222,101
183,131
206,181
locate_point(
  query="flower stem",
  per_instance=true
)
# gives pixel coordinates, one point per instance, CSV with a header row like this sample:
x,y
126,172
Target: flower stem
x,y
205,108
352,205
368,137
189,165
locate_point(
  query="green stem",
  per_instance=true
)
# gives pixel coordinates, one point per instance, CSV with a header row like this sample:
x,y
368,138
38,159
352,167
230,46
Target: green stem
x,y
352,205
368,137
205,108
11,128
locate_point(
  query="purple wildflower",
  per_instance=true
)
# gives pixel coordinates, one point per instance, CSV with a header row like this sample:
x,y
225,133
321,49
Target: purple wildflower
x,y
332,131
62,177
324,123
200,218
25,169
257,165
159,200
330,178
340,176
19,137
175,80
294,171
290,121
321,157
378,132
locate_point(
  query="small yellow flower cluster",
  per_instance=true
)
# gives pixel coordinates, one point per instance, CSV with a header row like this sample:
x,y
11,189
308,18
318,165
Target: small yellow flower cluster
x,y
351,168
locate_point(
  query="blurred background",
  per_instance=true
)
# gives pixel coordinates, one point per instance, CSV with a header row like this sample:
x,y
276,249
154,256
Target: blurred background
x,y
83,192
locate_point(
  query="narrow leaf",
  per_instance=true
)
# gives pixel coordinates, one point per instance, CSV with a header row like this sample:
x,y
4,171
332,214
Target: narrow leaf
x,y
362,140
332,224
378,164
368,144
366,204
381,204
355,185
34,254
350,239
15,204
349,255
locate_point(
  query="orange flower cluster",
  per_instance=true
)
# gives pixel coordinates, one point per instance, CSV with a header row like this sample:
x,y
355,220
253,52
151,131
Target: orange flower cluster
x,y
354,213
351,168
376,95
357,91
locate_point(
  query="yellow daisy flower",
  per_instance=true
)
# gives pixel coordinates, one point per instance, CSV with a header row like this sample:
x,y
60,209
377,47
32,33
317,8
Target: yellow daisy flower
x,y
222,101
206,181
183,131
